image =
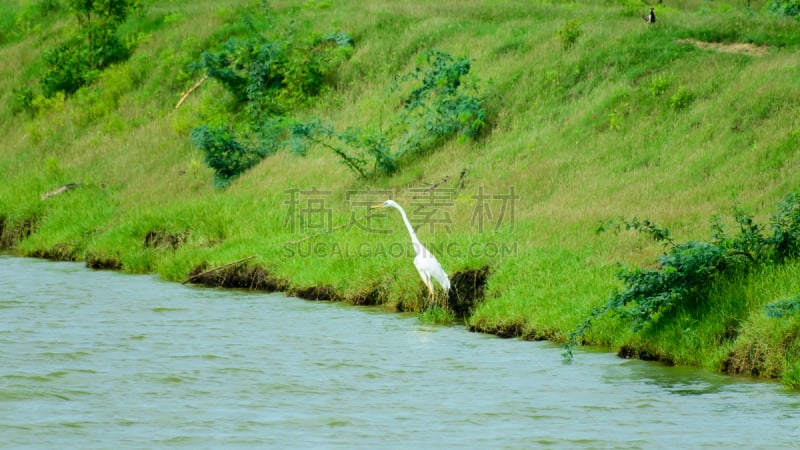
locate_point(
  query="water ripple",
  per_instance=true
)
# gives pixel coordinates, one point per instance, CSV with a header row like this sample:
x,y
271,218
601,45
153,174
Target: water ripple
x,y
107,360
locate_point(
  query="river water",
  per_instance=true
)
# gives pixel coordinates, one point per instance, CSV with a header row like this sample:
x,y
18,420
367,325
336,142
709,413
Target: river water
x,y
96,359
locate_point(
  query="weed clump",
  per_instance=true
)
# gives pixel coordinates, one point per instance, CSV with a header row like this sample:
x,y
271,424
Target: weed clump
x,y
569,34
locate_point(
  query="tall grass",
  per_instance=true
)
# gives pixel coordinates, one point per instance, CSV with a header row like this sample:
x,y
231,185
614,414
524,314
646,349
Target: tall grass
x,y
629,121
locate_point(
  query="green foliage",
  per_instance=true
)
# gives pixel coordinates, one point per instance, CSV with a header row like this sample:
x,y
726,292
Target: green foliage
x,y
270,78
630,8
274,76
440,102
355,146
791,376
67,68
789,8
444,103
685,271
659,85
438,315
21,99
225,154
24,18
785,226
569,34
783,308
79,60
646,227
681,99
688,270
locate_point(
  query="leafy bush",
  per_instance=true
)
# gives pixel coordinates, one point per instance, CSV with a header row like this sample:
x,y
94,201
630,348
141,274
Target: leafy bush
x,y
682,98
273,76
67,68
22,99
785,226
687,271
789,8
269,79
783,308
78,61
659,85
446,103
358,148
225,154
569,34
439,102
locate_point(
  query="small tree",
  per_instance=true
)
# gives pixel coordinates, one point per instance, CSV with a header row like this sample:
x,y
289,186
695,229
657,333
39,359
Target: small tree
x,y
95,46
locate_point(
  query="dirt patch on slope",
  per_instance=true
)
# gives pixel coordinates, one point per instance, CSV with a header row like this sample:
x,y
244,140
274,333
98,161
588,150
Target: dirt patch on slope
x,y
164,239
324,292
58,252
739,47
99,261
13,233
645,354
467,290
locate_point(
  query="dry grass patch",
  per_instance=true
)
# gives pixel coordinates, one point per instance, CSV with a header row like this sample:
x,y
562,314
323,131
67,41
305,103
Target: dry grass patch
x,y
739,47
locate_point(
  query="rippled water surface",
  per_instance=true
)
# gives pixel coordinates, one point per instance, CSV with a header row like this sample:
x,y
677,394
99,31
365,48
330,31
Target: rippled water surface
x,y
106,360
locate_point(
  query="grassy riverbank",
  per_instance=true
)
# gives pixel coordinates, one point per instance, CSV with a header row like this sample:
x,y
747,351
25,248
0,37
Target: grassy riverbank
x,y
629,121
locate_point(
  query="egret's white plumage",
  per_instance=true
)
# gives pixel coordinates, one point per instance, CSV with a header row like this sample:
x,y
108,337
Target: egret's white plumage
x,y
426,264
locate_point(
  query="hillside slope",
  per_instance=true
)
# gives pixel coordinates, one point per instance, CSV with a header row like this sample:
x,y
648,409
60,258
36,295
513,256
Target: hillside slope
x,y
630,120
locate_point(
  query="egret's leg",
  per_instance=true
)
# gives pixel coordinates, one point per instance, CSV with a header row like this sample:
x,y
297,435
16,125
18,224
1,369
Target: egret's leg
x,y
431,298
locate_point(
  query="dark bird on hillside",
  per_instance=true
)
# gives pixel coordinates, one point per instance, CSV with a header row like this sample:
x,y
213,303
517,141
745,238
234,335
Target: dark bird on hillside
x,y
650,18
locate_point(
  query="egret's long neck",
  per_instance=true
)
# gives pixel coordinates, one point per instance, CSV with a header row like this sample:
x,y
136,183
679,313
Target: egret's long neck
x,y
414,239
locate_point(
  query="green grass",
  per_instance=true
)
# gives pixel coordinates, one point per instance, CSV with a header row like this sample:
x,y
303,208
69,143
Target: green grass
x,y
630,121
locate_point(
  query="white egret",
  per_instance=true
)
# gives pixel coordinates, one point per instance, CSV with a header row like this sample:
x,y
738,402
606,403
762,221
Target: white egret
x,y
426,264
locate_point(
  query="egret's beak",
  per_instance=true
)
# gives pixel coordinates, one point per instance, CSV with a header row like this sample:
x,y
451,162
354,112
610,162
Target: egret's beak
x,y
377,206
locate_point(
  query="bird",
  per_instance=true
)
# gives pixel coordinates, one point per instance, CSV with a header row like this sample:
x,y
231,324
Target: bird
x,y
650,18
427,265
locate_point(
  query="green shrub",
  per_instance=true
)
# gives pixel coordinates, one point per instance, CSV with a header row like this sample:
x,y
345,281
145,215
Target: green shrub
x,y
791,376
789,8
439,102
569,34
68,68
274,76
78,60
444,103
21,99
659,85
356,147
687,271
681,99
269,78
225,154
